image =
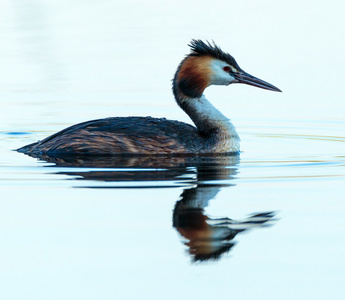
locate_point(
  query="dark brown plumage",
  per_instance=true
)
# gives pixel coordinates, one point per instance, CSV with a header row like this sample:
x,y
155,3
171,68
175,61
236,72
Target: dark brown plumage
x,y
144,135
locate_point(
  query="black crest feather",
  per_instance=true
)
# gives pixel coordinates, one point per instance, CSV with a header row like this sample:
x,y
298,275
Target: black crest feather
x,y
200,48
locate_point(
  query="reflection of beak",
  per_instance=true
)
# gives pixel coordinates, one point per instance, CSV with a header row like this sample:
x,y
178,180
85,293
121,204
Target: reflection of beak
x,y
246,78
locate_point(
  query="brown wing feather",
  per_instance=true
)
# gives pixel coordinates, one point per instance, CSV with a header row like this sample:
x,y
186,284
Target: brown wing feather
x,y
140,135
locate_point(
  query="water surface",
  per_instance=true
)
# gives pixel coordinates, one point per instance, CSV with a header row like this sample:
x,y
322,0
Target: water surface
x,y
271,219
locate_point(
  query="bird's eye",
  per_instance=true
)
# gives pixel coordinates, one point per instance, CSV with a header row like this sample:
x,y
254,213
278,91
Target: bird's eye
x,y
226,69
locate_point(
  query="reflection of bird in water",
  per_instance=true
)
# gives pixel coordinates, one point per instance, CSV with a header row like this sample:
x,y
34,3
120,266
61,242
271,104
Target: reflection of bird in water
x,y
201,176
206,65
209,238
175,169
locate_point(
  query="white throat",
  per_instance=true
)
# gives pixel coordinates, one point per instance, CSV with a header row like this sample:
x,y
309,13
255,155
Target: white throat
x,y
209,119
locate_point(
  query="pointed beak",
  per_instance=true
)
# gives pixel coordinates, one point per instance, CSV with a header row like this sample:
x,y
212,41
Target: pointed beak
x,y
246,78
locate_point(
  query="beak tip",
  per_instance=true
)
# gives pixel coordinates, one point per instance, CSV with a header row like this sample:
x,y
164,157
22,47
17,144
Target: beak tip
x,y
254,81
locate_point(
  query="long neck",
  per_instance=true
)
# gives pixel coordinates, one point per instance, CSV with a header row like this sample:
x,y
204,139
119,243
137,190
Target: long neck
x,y
211,123
189,84
206,117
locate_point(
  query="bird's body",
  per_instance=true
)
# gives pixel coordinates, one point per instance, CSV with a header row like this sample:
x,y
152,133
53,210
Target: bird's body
x,y
135,135
205,65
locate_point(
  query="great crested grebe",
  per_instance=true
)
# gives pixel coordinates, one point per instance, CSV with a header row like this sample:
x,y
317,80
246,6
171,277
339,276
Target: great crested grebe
x,y
206,65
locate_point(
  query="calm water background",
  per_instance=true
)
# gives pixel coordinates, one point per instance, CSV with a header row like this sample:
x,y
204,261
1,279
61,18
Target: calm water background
x,y
64,62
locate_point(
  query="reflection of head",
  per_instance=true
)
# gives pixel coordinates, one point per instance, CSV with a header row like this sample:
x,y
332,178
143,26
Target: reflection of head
x,y
203,240
208,238
208,250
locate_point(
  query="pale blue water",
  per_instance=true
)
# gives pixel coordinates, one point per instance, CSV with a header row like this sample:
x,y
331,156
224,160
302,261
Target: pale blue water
x,y
121,228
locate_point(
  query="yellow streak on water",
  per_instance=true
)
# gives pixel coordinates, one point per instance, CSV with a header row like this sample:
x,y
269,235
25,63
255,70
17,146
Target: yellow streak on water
x,y
302,136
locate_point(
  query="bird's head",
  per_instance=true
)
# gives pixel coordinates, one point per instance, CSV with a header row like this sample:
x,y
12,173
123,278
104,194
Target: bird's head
x,y
208,65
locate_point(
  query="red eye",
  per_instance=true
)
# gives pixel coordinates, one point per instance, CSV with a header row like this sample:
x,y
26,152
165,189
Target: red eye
x,y
227,69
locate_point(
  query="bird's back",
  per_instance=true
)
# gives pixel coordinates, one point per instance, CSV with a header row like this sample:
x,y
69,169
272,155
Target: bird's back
x,y
137,135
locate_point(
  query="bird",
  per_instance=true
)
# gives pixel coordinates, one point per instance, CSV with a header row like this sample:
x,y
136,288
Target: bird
x,y
206,64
